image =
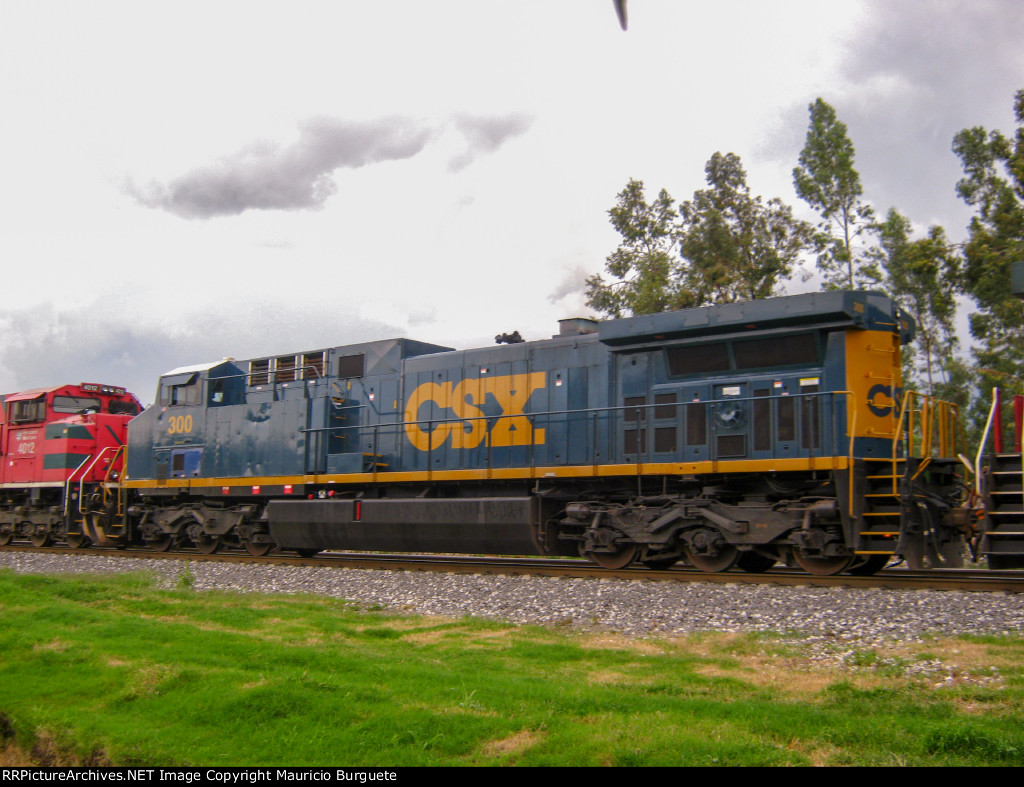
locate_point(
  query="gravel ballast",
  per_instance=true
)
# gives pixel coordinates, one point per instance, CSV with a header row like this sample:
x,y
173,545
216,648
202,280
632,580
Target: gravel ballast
x,y
842,616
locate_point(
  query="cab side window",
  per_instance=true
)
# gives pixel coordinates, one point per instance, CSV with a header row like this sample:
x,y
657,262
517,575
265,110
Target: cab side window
x,y
181,389
27,412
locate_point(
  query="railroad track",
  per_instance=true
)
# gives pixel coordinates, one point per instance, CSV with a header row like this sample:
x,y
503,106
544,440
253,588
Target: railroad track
x,y
967,579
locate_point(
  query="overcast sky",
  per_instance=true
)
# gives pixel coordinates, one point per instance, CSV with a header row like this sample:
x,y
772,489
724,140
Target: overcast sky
x,y
189,181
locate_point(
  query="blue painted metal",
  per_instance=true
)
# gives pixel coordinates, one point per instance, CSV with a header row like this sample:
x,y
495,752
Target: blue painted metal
x,y
608,397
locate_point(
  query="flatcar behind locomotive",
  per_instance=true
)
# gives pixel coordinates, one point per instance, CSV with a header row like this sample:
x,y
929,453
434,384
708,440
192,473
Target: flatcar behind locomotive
x,y
740,434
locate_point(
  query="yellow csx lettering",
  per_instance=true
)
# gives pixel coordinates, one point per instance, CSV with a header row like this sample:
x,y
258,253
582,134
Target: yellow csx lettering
x,y
511,392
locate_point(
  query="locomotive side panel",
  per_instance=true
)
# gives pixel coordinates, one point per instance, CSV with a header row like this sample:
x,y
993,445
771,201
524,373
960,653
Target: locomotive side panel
x,y
505,411
722,434
874,378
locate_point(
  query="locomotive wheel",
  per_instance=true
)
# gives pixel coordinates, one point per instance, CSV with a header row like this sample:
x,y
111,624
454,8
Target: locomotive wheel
x,y
208,544
707,550
40,539
6,538
869,566
724,559
257,549
754,562
77,540
306,552
161,543
822,566
620,558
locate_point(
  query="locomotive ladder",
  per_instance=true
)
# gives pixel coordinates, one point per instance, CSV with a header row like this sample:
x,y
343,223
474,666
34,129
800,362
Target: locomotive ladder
x,y
882,513
894,505
1001,486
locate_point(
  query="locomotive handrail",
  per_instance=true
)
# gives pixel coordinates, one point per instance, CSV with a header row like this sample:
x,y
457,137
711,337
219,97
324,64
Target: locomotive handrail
x,y
584,411
307,366
1018,421
811,444
81,481
851,422
984,440
934,418
70,481
106,480
957,438
349,406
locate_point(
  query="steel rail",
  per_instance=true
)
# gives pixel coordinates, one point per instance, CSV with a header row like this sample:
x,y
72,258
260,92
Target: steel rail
x,y
979,580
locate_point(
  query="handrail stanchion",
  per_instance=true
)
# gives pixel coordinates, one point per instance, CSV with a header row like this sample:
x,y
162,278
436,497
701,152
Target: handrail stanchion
x,y
997,436
984,440
69,482
1018,417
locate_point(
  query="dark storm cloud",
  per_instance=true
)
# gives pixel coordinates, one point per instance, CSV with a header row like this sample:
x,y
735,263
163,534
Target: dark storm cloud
x,y
266,176
44,346
920,72
486,134
300,176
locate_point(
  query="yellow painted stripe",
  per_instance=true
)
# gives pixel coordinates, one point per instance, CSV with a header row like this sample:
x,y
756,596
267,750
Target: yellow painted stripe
x,y
511,473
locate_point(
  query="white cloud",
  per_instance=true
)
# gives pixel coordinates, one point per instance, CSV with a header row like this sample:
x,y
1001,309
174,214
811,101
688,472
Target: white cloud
x,y
385,224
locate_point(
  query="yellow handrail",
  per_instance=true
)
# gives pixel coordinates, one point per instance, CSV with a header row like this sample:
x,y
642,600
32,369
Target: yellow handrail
x,y
107,482
929,428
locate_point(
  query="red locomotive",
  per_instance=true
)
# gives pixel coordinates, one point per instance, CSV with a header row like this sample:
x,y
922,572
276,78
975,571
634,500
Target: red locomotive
x,y
57,447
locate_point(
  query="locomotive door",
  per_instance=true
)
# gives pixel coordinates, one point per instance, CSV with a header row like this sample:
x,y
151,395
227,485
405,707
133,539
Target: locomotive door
x,y
679,423
24,435
785,417
811,411
773,418
781,423
730,421
567,428
317,434
634,414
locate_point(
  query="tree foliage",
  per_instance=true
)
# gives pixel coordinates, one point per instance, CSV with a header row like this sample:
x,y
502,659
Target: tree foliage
x,y
921,275
736,247
993,184
723,245
726,244
645,267
827,180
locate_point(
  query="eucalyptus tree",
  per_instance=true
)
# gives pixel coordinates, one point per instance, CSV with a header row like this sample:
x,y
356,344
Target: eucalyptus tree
x,y
921,275
645,267
827,180
993,184
734,245
721,246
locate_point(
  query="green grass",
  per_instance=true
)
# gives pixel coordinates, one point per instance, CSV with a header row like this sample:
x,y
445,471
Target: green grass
x,y
114,670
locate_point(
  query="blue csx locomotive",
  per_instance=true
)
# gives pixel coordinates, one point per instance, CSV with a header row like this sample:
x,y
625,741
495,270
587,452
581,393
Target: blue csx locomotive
x,y
739,434
734,435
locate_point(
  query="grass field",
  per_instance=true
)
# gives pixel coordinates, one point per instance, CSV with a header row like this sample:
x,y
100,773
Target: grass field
x,y
114,670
